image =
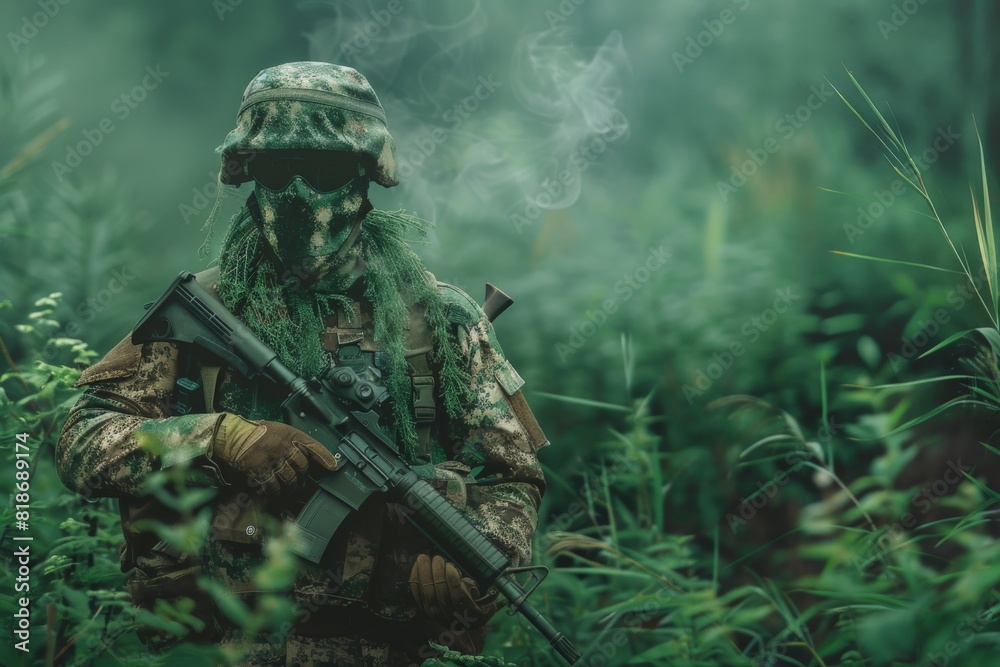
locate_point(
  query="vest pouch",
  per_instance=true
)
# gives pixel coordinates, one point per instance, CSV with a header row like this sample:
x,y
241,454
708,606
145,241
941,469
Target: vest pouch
x,y
240,523
165,582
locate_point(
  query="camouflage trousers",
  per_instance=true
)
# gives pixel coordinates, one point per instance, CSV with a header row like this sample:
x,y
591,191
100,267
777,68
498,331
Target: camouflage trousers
x,y
313,652
296,651
349,643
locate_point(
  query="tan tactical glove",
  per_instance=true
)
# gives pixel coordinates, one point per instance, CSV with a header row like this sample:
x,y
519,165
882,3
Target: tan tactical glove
x,y
446,596
271,455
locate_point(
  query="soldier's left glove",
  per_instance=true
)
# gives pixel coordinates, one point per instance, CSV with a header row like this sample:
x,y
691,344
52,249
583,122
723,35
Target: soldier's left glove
x,y
446,596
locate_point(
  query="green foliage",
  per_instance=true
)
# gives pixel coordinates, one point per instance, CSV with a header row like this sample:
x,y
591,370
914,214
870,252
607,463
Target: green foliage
x,y
80,611
78,606
624,588
905,166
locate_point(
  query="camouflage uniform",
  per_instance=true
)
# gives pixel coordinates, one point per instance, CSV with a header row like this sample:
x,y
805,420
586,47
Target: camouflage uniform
x,y
357,607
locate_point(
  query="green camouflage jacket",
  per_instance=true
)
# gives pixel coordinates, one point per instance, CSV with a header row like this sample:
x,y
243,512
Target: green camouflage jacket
x,y
129,398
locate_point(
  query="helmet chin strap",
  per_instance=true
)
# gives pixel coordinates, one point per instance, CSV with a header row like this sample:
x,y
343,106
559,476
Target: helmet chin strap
x,y
355,231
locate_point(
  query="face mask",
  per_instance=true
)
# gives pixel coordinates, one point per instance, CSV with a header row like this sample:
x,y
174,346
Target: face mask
x,y
311,232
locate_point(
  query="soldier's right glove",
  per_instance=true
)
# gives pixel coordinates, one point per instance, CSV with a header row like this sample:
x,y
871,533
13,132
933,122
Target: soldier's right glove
x,y
445,595
270,455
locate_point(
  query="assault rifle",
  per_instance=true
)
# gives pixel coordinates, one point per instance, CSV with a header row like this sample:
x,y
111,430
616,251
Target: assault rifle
x,y
341,410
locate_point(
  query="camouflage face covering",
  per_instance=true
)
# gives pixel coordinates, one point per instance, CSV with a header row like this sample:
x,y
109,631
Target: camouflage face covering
x,y
310,232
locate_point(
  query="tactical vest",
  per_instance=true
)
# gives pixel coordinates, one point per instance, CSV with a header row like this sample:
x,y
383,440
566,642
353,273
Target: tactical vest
x,y
349,340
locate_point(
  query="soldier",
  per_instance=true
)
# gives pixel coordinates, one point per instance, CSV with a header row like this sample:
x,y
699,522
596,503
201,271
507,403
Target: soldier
x,y
323,278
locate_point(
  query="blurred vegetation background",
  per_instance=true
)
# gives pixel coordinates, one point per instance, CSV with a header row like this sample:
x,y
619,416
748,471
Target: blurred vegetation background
x,y
652,183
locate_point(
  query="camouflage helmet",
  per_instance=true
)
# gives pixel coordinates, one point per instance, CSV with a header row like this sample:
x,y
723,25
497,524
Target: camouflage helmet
x,y
310,106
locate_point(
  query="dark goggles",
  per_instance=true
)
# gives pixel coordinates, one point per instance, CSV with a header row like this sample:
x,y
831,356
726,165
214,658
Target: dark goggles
x,y
275,173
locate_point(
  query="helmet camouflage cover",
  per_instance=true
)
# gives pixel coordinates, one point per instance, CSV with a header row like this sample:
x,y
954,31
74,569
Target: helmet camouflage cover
x,y
311,106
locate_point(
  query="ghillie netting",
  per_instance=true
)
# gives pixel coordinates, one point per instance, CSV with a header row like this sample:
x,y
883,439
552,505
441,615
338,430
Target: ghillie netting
x,y
290,318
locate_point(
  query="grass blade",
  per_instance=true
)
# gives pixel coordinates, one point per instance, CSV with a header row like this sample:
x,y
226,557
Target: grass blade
x,y
585,402
895,261
991,263
911,383
947,341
